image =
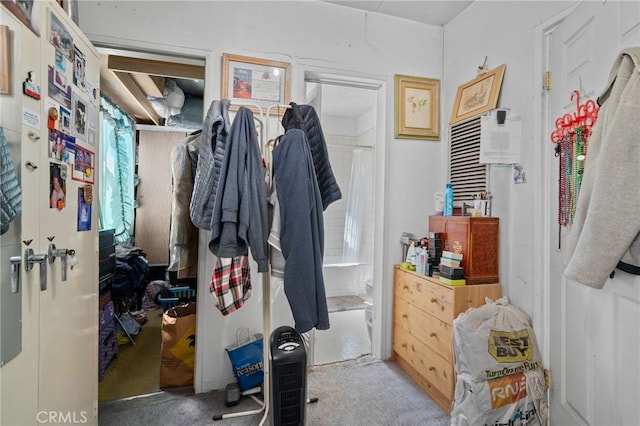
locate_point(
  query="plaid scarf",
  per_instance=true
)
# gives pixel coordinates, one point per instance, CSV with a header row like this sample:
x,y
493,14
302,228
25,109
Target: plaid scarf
x,y
231,283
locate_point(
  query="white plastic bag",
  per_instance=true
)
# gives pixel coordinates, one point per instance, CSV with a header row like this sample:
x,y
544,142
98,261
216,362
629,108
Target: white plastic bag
x,y
494,340
500,378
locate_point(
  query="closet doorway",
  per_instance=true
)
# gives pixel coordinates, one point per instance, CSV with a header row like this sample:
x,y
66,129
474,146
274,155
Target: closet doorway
x,y
348,111
163,95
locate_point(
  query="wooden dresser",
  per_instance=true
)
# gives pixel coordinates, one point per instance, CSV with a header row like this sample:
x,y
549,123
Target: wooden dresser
x,y
423,314
477,238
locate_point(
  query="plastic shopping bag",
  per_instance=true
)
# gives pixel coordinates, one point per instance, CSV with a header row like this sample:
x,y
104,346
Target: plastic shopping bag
x,y
247,360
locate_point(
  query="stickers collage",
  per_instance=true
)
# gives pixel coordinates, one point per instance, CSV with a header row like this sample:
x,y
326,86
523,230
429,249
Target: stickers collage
x,y
72,121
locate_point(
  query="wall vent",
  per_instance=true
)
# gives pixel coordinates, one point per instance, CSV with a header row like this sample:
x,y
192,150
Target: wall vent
x,y
466,174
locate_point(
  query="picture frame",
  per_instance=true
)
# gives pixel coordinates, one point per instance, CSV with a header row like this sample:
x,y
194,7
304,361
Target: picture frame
x,y
22,9
478,95
255,81
417,107
5,61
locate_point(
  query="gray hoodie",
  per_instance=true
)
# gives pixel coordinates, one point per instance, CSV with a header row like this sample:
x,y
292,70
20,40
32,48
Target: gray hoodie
x,y
239,219
606,225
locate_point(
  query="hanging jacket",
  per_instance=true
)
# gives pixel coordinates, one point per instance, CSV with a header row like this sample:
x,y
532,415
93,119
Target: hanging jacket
x,y
304,117
183,236
239,220
606,225
212,150
10,193
301,231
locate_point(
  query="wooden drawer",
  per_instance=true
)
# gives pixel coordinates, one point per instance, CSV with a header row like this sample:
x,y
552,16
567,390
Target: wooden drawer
x,y
435,369
423,314
429,330
429,296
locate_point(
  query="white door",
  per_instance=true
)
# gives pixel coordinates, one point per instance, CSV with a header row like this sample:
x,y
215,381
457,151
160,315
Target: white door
x,y
594,334
19,311
55,377
68,361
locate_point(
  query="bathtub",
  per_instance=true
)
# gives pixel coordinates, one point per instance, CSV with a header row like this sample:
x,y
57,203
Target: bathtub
x,y
345,278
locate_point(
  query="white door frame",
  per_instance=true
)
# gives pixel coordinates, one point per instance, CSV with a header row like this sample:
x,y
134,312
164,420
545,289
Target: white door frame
x,y
381,331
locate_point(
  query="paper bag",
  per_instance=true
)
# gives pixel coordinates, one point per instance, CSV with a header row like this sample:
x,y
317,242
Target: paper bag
x,y
178,346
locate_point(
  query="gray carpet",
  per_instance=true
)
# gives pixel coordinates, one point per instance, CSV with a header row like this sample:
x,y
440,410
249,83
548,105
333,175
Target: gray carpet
x,y
364,391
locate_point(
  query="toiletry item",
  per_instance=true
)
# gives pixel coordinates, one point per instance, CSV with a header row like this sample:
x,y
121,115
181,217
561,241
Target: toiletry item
x,y
411,254
421,267
448,200
438,199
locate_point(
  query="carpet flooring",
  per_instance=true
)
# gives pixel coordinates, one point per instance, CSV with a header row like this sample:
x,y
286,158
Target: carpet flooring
x,y
363,392
136,369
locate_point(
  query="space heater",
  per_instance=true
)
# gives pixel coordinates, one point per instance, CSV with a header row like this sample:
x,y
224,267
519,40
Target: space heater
x,y
288,377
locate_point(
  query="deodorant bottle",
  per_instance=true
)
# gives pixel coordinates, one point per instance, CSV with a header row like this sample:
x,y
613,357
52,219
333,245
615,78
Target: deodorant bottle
x,y
448,200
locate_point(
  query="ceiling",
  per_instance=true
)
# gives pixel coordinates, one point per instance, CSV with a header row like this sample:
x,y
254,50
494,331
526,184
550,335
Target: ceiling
x,y
130,78
427,12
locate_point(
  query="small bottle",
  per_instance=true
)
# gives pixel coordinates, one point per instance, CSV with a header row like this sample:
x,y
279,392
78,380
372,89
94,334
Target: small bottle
x,y
448,200
422,261
439,203
411,254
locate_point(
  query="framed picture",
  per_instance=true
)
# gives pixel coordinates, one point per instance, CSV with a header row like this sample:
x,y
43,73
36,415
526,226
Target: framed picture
x,y
417,107
22,9
478,95
5,61
255,81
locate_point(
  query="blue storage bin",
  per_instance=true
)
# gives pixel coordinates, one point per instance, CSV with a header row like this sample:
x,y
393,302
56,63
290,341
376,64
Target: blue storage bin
x,y
180,295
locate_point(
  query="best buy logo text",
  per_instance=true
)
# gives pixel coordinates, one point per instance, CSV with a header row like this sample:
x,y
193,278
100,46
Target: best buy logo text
x,y
510,346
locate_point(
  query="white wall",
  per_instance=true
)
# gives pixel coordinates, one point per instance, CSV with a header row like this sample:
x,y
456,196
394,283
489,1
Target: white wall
x,y
481,30
311,36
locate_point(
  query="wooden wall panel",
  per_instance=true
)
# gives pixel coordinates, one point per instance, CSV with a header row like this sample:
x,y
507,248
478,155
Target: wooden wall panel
x,y
153,215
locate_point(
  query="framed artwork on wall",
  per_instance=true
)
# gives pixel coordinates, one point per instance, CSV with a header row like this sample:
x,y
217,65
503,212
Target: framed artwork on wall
x,y
5,61
478,95
417,107
23,10
255,81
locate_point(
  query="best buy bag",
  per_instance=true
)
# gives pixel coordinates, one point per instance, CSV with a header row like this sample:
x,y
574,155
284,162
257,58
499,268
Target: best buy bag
x,y
500,378
494,340
246,359
178,345
518,399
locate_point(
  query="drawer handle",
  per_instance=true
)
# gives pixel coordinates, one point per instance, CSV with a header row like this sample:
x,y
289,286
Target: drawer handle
x,y
432,334
405,316
432,368
434,300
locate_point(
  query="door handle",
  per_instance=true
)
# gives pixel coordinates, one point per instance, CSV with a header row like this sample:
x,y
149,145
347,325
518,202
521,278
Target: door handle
x,y
16,261
30,259
62,254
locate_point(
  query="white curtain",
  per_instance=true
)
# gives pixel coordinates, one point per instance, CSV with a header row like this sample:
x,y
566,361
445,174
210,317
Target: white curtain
x,y
359,204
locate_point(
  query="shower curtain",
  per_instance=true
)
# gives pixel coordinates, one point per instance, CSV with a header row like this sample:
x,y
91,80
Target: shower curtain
x,y
359,204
